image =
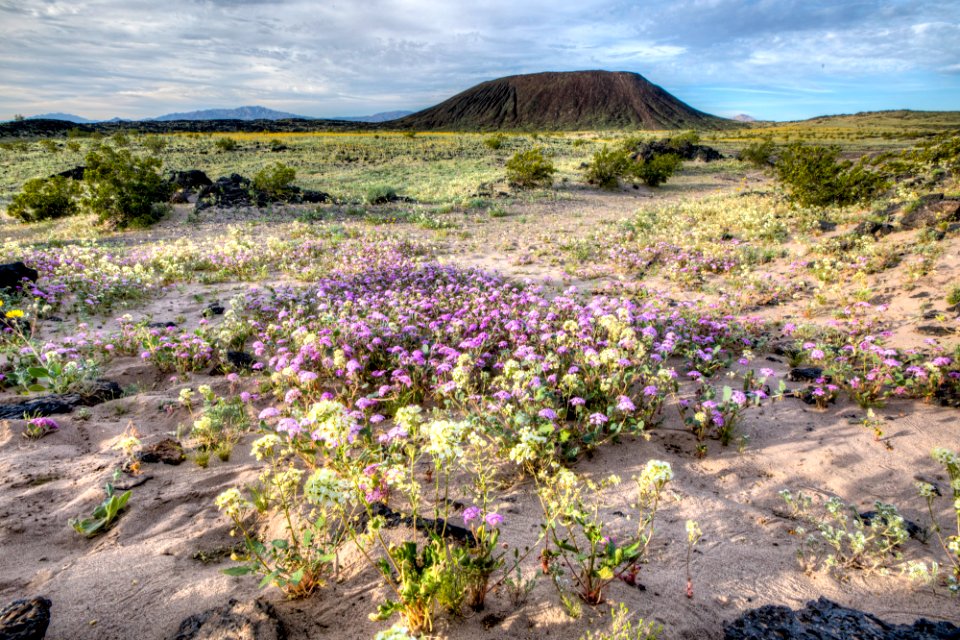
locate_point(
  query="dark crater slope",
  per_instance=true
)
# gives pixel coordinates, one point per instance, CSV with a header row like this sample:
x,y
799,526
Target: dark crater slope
x,y
575,100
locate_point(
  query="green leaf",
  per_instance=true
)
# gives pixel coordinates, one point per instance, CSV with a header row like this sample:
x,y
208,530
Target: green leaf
x,y
38,372
238,571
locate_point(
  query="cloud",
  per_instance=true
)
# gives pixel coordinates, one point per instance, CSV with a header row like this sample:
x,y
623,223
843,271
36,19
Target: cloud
x,y
136,58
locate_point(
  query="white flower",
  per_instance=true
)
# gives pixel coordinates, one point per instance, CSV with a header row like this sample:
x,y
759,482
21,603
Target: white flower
x,y
656,474
445,438
324,488
232,503
396,632
266,446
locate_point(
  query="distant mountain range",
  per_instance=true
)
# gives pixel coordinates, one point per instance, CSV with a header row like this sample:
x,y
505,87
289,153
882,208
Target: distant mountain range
x,y
240,113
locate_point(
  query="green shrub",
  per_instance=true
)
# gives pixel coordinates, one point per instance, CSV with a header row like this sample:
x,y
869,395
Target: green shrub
x,y
381,194
530,168
226,144
655,171
496,141
120,139
953,298
759,154
124,189
154,144
814,176
45,199
275,180
607,167
681,140
49,145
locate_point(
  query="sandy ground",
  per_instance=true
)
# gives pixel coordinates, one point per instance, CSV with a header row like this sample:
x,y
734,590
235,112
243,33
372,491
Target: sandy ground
x,y
162,561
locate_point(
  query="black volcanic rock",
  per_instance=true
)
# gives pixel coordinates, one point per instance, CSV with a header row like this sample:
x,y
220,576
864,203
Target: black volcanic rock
x,y
826,620
563,100
25,619
13,274
191,179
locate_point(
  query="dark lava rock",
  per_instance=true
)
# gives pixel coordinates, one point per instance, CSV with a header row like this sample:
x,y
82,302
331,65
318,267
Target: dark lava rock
x,y
213,309
935,330
439,526
805,374
683,148
13,274
74,174
236,361
161,325
256,620
25,619
237,191
931,210
189,180
228,191
826,620
314,197
167,451
240,359
874,228
826,225
180,196
56,403
914,530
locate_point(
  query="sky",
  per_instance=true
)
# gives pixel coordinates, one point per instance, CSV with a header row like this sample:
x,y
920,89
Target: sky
x,y
771,59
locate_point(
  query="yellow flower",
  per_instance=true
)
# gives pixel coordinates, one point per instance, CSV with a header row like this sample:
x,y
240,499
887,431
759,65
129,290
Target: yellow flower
x,y
15,313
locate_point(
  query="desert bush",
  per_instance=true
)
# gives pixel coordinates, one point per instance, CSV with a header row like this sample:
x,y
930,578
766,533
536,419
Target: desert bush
x,y
275,180
45,199
530,168
814,176
684,139
607,167
655,171
226,144
154,144
49,145
496,141
953,298
380,194
123,189
759,154
121,139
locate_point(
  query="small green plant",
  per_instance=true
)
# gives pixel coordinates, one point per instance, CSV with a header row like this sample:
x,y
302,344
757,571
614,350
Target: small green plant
x,y
226,144
103,515
46,199
40,426
300,562
844,539
154,144
623,628
579,548
275,180
759,154
49,145
495,142
530,168
953,298
949,542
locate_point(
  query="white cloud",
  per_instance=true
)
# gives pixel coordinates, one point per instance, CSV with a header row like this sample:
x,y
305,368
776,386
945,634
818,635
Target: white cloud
x,y
139,58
